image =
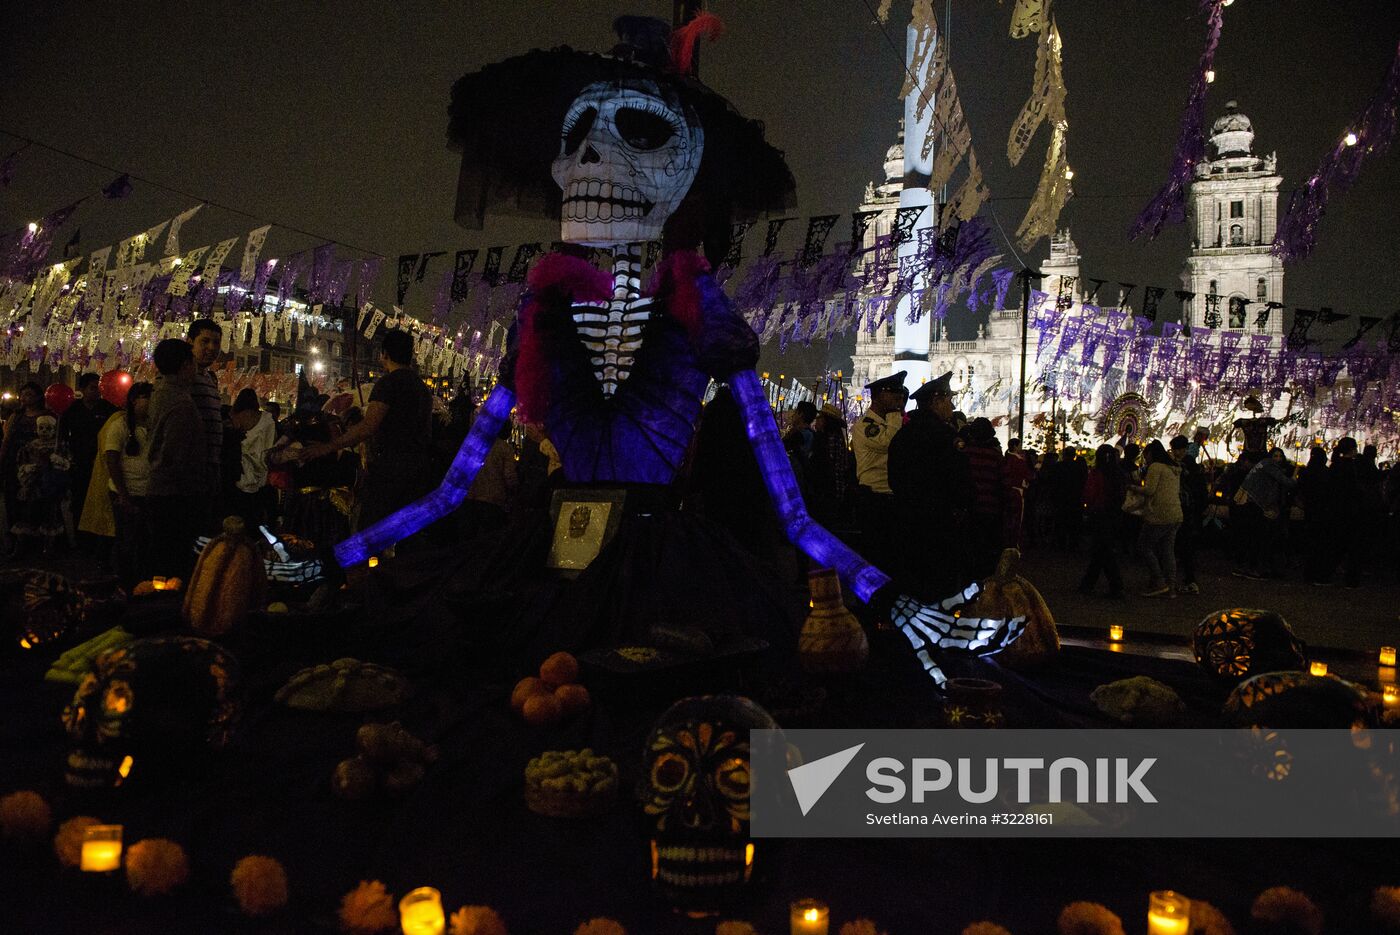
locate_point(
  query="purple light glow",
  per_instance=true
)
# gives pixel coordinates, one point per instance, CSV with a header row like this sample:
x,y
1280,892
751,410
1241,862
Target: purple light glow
x,y
449,494
862,578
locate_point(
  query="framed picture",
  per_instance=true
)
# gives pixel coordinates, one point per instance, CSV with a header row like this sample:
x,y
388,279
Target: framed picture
x,y
584,521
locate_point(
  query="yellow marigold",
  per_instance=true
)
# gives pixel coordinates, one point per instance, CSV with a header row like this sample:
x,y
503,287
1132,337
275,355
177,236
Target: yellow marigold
x,y
477,920
1085,918
735,928
367,909
25,816
1208,920
860,927
985,928
1281,905
1385,905
68,843
601,927
259,884
156,866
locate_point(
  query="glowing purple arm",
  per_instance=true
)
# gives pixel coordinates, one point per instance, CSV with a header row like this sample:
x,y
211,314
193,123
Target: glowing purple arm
x,y
861,577
449,494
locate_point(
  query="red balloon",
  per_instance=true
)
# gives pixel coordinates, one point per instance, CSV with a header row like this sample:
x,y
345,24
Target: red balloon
x,y
114,385
58,397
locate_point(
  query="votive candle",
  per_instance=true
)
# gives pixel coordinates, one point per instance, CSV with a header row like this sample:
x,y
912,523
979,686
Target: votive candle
x,y
420,912
1390,693
158,583
1168,913
1115,633
1318,668
1387,655
102,849
810,917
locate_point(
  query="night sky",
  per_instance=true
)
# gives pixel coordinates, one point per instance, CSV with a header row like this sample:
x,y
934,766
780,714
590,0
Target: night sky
x,y
330,117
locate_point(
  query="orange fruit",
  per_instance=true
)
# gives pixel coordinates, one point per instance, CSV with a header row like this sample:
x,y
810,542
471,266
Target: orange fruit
x,y
524,689
559,669
542,709
572,698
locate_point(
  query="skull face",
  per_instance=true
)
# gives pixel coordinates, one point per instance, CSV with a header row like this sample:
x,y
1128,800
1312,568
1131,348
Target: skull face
x,y
696,785
628,156
43,607
154,703
46,427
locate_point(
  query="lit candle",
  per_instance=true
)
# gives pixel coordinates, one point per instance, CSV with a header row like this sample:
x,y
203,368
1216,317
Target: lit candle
x,y
1318,668
102,849
158,583
1168,913
1387,655
420,912
1390,693
1115,632
810,917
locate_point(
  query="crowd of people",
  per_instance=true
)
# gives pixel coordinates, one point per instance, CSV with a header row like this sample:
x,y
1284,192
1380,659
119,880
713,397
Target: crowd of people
x,y
136,486
927,494
934,497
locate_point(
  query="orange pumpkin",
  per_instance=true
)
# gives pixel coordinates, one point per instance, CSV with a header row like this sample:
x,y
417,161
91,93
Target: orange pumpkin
x,y
572,699
1006,595
229,580
525,689
542,709
559,669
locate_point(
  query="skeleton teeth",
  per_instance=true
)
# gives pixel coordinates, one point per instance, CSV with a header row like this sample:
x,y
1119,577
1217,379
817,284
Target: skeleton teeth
x,y
605,211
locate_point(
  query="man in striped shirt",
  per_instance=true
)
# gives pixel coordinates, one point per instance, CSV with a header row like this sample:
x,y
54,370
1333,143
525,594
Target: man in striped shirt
x,y
206,337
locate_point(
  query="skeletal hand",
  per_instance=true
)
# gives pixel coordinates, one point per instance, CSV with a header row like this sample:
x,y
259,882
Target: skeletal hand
x,y
942,626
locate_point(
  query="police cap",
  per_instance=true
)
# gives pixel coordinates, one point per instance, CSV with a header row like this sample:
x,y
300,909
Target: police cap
x,y
939,386
894,381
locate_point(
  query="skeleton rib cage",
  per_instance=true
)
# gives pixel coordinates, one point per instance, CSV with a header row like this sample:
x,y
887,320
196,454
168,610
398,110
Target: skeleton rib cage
x,y
612,331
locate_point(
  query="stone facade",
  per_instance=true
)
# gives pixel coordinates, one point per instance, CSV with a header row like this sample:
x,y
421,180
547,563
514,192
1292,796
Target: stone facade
x,y
1233,216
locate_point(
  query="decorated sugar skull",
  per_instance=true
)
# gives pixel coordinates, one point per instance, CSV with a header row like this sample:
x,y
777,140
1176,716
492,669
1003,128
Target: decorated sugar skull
x,y
46,427
1234,644
154,705
628,155
696,786
40,607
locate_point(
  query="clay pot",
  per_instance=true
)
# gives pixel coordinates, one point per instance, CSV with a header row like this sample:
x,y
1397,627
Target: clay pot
x,y
832,639
970,703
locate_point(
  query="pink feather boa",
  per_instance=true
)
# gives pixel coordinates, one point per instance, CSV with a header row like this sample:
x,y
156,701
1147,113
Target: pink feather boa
x,y
675,281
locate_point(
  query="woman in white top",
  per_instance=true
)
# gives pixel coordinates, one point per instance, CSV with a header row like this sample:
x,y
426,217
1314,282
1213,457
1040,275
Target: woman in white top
x,y
1161,518
125,445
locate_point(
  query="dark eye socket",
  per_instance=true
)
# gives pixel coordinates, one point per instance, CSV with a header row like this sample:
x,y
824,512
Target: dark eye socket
x,y
575,134
732,778
642,129
669,772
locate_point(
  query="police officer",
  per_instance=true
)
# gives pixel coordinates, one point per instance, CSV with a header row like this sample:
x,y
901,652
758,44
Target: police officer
x,y
932,491
870,442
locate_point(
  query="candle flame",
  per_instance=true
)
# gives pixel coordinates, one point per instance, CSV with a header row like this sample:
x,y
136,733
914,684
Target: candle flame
x,y
811,915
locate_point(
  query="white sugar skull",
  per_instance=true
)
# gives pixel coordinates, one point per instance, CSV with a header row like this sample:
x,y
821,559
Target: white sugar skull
x,y
46,427
627,158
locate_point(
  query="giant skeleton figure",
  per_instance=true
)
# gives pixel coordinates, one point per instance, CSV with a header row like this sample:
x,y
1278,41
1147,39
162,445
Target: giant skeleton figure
x,y
619,377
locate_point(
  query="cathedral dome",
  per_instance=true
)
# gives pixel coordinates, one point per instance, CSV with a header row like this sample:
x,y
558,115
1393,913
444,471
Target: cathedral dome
x,y
1232,134
894,162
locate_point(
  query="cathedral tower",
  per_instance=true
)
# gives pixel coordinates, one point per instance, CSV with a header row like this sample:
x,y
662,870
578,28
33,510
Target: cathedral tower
x,y
1233,219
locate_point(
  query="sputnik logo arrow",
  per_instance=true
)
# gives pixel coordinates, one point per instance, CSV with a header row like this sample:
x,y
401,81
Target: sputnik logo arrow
x,y
811,780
